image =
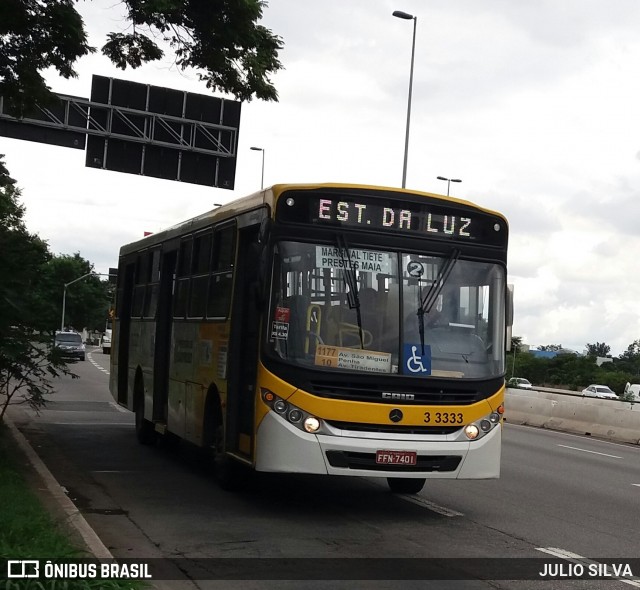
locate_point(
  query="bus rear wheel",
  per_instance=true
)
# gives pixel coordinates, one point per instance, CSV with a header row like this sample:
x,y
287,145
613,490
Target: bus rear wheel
x,y
401,485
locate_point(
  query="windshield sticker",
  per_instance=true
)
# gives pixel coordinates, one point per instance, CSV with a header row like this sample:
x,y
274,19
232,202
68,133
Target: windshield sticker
x,y
282,314
414,362
279,330
415,269
353,358
363,260
280,324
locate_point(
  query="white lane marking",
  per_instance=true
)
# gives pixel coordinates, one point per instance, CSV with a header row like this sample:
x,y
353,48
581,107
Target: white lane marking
x,y
95,364
578,436
592,452
430,505
575,558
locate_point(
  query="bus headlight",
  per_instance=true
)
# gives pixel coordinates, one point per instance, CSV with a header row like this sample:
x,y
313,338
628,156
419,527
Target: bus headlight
x,y
311,424
295,416
280,406
483,425
299,418
472,431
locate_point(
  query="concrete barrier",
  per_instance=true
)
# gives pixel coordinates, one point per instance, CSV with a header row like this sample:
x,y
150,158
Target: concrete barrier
x,y
572,412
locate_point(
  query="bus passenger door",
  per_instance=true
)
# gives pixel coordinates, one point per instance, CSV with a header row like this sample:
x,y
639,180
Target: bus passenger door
x,y
163,337
243,347
123,330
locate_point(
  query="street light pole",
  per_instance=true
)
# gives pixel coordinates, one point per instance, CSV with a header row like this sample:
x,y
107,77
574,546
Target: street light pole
x,y
259,149
64,295
449,181
407,16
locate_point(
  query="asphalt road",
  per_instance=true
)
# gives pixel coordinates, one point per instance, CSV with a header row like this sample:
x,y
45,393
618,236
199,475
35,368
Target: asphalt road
x,y
560,496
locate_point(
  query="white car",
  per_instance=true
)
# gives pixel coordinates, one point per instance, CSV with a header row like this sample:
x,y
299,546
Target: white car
x,y
601,391
106,342
519,382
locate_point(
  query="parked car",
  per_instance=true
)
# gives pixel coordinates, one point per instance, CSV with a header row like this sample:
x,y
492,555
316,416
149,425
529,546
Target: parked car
x,y
519,382
105,342
70,344
601,391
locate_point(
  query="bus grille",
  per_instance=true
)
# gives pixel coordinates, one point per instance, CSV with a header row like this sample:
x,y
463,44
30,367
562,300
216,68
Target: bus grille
x,y
422,395
430,463
393,428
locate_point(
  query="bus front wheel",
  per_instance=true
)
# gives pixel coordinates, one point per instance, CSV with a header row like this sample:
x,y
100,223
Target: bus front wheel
x,y
400,485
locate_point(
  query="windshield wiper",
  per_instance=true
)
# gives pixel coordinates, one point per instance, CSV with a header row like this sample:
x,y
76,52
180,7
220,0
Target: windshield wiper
x,y
349,273
431,297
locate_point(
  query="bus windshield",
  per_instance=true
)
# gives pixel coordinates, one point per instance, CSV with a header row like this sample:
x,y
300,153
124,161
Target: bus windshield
x,y
348,308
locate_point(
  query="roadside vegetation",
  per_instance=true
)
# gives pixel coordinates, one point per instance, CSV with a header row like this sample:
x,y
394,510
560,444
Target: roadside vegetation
x,y
28,531
31,293
575,372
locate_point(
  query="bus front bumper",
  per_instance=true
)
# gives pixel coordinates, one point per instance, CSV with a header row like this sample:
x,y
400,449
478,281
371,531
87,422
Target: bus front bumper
x,y
281,447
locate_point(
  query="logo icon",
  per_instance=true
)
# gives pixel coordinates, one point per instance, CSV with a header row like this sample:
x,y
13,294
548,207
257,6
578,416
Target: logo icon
x,y
414,361
23,568
395,415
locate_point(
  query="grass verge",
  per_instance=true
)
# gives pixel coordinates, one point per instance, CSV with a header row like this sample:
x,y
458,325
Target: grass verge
x,y
27,530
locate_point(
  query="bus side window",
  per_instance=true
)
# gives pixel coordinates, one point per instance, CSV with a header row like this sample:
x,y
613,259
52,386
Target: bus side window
x,y
182,286
221,279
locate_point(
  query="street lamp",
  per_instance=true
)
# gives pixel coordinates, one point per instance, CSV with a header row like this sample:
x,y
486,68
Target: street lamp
x,y
259,149
407,16
64,295
449,181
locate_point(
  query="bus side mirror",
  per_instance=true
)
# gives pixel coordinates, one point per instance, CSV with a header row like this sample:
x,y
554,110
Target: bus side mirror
x,y
509,316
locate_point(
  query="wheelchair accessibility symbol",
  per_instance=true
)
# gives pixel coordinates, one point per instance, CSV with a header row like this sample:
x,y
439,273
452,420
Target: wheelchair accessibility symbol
x,y
414,362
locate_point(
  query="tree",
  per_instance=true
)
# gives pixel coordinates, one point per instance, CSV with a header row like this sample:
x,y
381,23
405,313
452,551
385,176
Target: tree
x,y
630,358
516,343
27,358
598,349
222,40
550,347
86,300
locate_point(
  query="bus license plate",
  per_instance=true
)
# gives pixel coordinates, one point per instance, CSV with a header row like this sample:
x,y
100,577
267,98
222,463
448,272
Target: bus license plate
x,y
396,457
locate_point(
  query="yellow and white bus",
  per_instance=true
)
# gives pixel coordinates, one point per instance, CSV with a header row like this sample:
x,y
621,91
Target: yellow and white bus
x,y
322,328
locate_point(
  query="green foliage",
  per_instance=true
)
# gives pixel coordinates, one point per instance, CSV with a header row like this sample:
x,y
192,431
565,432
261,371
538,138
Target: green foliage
x,y
28,531
569,371
598,349
21,256
27,357
86,301
550,347
516,343
221,40
37,35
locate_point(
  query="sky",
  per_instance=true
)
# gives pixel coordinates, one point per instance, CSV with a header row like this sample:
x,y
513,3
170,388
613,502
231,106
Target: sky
x,y
534,106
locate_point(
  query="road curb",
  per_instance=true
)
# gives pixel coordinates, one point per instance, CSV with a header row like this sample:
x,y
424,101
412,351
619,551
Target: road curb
x,y
73,516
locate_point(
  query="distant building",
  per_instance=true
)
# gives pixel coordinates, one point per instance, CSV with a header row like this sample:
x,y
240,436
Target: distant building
x,y
549,354
600,360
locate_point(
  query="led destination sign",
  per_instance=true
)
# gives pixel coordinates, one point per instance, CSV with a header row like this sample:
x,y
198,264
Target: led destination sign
x,y
437,220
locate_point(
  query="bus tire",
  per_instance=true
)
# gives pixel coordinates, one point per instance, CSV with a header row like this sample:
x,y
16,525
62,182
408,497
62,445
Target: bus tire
x,y
145,432
400,485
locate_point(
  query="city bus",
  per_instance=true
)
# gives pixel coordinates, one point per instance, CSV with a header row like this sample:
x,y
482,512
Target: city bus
x,y
321,329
